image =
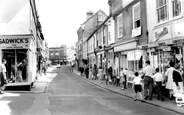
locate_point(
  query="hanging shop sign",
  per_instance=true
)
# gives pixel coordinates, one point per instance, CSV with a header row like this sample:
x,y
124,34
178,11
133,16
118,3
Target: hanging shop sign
x,y
178,41
14,41
165,48
162,33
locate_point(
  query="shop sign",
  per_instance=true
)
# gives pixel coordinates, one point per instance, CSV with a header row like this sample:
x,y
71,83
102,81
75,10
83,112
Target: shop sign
x,y
161,43
145,47
166,48
162,33
14,42
178,41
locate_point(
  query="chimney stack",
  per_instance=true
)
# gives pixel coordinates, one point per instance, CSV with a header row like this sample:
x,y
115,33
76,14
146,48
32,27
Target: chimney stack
x,y
89,14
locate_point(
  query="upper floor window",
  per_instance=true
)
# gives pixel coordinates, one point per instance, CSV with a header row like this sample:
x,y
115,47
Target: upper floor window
x,y
120,25
56,53
162,10
136,16
51,53
109,31
168,9
176,8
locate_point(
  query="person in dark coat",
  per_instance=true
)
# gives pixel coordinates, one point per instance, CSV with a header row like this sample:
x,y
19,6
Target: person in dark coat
x,y
87,71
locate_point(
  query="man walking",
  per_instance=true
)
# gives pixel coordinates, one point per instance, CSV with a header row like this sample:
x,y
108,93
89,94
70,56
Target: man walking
x,y
148,80
3,76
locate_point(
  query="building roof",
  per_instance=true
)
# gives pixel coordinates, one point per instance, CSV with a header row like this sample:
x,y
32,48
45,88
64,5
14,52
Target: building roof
x,y
99,26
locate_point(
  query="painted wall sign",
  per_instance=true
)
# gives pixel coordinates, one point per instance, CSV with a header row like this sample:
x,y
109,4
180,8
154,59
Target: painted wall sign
x,y
163,33
15,41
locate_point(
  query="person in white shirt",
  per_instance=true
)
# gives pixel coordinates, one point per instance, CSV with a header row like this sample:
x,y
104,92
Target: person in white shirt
x,y
137,86
3,76
158,79
125,72
169,81
148,80
122,78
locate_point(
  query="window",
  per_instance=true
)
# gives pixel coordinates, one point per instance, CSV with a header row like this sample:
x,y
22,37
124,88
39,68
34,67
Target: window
x,y
51,53
136,16
168,9
120,25
176,8
109,30
162,10
17,64
57,53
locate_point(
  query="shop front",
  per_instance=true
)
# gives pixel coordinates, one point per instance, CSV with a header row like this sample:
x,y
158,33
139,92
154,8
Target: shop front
x,y
91,58
100,56
20,53
168,47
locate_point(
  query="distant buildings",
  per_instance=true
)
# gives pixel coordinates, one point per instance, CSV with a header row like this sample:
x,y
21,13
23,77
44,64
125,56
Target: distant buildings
x,y
58,55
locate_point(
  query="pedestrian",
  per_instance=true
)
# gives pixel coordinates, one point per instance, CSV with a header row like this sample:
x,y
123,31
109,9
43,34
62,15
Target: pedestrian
x,y
87,71
110,73
90,72
118,79
137,86
100,74
3,77
158,80
94,72
169,79
125,74
81,70
177,78
122,78
148,80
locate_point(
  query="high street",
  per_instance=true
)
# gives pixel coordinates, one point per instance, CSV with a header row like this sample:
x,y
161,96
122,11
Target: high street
x,y
67,94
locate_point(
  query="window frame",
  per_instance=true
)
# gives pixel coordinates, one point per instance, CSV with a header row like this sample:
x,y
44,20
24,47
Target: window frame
x,y
134,13
170,16
119,26
171,11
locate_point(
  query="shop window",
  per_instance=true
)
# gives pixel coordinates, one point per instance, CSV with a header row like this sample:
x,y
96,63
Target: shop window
x,y
162,10
136,16
17,64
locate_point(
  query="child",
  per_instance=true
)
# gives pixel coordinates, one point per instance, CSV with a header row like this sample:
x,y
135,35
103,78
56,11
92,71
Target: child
x,y
100,74
122,78
137,86
158,79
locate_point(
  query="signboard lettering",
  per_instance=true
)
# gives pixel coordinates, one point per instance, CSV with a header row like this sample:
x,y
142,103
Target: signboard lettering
x,y
14,41
159,35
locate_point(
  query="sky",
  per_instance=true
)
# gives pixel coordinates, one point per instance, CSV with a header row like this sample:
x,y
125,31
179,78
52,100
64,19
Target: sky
x,y
60,19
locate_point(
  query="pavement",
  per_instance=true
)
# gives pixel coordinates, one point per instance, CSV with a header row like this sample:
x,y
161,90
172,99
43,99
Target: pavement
x,y
41,83
167,104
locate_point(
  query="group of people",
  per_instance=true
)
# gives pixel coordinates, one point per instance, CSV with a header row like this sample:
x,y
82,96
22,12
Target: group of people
x,y
151,81
107,74
155,79
21,74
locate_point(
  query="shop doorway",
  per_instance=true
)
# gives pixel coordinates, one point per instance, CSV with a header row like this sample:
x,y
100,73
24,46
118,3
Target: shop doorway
x,y
17,64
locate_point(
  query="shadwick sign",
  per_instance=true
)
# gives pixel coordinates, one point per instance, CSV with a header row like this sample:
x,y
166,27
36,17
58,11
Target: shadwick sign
x,y
14,41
